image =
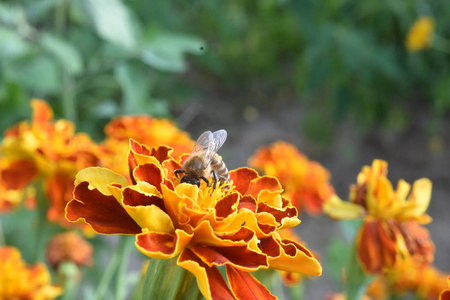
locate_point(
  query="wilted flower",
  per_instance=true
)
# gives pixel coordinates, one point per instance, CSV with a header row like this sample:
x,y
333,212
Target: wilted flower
x,y
392,220
17,281
45,150
69,246
236,227
146,130
306,183
420,35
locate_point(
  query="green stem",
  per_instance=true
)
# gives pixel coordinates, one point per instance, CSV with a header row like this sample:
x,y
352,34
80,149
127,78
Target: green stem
x,y
41,226
357,279
110,270
166,280
68,275
121,272
2,235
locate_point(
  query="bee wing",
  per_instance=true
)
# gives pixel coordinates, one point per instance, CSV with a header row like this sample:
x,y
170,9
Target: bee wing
x,y
218,138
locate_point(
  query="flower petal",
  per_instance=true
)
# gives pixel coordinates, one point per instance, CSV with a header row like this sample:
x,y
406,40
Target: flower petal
x,y
99,178
162,245
210,281
102,211
240,256
241,178
245,286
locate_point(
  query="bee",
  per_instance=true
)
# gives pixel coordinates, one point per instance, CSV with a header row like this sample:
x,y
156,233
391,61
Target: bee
x,y
204,162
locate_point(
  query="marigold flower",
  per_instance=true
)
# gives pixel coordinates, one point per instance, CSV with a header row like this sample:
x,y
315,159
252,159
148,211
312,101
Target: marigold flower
x,y
69,246
44,149
445,295
420,35
391,228
306,183
17,281
145,130
204,227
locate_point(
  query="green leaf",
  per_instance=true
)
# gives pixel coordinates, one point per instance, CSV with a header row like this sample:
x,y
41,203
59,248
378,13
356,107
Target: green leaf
x,y
165,51
67,55
112,21
335,260
12,45
135,88
40,74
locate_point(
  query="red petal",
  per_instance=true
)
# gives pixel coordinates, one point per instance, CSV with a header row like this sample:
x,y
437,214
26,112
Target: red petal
x,y
240,256
18,174
225,206
263,183
132,197
288,212
150,173
270,247
59,191
241,178
245,286
102,212
247,202
161,153
213,282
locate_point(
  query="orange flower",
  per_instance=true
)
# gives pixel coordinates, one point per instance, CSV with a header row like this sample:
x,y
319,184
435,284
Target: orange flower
x,y
17,281
47,150
445,294
305,182
146,130
235,227
391,230
69,246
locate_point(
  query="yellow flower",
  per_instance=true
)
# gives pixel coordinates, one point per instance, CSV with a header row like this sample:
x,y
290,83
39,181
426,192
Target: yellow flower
x,y
48,150
392,219
236,227
306,183
420,35
17,281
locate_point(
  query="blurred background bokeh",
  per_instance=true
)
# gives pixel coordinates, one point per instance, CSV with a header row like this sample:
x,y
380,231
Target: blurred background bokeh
x,y
337,78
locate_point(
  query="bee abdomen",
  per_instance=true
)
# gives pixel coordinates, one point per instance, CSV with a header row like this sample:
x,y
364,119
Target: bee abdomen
x,y
221,169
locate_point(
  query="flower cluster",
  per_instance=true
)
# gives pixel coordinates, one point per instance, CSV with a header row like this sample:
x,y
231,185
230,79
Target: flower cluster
x,y
43,150
236,226
18,281
392,229
306,182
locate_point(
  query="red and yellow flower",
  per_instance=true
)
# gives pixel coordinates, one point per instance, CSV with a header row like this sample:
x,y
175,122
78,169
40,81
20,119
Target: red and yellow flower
x,y
18,281
392,229
145,130
47,150
236,227
306,183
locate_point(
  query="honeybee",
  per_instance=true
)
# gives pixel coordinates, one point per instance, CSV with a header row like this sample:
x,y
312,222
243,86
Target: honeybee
x,y
204,162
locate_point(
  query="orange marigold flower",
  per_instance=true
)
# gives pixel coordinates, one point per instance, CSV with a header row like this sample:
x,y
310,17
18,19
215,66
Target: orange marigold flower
x,y
69,246
306,183
48,150
445,295
420,34
145,130
392,220
236,227
17,281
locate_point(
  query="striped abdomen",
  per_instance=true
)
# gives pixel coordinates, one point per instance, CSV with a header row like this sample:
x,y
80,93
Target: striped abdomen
x,y
219,166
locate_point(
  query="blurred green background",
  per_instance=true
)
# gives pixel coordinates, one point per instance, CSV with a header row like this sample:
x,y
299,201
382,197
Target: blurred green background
x,y
343,59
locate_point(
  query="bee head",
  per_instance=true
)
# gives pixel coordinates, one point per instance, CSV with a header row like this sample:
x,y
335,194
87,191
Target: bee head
x,y
190,180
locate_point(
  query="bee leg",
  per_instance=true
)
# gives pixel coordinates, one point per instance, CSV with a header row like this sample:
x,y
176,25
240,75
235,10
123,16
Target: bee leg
x,y
179,171
215,179
205,180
